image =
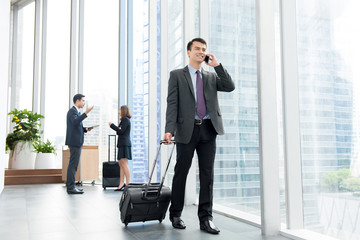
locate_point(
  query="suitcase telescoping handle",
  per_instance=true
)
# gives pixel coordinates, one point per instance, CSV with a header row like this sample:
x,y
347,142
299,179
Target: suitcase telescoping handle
x,y
153,168
114,147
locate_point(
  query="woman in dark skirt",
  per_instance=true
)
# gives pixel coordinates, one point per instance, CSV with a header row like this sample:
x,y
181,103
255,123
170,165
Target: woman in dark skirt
x,y
124,145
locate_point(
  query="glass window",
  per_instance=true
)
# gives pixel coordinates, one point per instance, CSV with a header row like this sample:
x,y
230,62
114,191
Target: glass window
x,y
138,85
57,72
175,52
233,41
158,88
328,60
175,36
101,48
24,56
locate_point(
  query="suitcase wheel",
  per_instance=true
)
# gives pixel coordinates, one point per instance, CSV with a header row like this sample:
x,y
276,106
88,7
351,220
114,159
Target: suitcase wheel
x,y
104,188
126,223
160,220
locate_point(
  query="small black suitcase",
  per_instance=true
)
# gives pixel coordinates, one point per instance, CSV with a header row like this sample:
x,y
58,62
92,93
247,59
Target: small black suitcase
x,y
111,169
145,202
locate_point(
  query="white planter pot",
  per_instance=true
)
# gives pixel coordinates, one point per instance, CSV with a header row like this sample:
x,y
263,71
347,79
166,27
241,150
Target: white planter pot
x,y
23,156
45,161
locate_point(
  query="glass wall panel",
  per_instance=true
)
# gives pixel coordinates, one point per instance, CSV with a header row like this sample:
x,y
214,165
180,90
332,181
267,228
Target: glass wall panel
x,y
57,73
328,58
138,85
175,36
24,57
175,51
158,85
101,48
197,18
232,40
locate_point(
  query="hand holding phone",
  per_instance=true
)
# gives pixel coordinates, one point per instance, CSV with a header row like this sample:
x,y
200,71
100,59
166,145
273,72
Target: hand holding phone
x,y
211,60
206,59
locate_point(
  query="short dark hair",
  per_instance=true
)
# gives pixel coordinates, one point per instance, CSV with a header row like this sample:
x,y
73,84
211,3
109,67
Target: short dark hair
x,y
189,45
78,96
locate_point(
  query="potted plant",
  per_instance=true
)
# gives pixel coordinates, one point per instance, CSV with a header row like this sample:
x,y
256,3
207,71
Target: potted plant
x,y
45,158
26,131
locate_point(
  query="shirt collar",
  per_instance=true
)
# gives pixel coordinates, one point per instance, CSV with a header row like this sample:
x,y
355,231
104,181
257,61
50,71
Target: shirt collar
x,y
78,109
193,70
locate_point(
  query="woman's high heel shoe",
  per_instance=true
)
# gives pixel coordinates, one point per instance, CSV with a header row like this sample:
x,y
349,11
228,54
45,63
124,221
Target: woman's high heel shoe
x,y
121,189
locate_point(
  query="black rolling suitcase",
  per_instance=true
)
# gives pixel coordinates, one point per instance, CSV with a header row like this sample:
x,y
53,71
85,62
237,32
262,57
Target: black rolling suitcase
x,y
144,202
111,169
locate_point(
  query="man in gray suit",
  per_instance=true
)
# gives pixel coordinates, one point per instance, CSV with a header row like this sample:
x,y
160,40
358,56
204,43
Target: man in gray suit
x,y
75,139
193,116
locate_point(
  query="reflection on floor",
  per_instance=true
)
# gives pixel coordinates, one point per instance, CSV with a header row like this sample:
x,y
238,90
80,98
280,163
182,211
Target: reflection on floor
x,y
40,212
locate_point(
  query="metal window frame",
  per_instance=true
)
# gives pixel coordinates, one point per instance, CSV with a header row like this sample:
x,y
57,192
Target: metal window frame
x,y
153,141
291,115
37,57
73,71
164,75
122,67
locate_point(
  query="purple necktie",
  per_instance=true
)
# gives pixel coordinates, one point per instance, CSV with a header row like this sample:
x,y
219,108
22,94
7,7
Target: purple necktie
x,y
200,101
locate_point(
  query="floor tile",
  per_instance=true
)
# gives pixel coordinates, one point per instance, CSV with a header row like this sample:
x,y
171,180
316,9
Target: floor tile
x,y
39,212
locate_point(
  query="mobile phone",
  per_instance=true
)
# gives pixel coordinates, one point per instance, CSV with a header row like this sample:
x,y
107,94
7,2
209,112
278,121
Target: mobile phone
x,y
206,59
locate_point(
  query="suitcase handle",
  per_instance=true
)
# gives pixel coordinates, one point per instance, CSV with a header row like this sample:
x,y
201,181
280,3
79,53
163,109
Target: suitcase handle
x,y
145,194
114,147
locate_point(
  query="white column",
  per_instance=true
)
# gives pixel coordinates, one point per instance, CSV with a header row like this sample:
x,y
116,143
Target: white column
x,y
268,121
4,80
293,182
81,48
189,33
73,86
152,85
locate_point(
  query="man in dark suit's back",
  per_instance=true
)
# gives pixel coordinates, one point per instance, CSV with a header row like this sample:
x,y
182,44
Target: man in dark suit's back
x,y
75,139
193,116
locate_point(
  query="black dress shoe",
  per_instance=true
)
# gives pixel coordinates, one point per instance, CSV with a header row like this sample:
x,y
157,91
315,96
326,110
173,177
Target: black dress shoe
x,y
74,191
177,223
209,227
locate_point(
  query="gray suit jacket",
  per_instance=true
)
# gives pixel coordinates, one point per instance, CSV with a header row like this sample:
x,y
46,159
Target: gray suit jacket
x,y
180,112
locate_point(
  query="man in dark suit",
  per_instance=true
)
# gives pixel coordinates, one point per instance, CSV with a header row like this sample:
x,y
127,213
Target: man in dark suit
x,y
75,139
193,116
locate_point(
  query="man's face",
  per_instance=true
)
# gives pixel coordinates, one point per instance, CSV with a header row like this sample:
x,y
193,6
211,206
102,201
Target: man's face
x,y
80,103
197,52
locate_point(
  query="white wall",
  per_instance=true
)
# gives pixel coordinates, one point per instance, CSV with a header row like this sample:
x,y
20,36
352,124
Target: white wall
x,y
4,74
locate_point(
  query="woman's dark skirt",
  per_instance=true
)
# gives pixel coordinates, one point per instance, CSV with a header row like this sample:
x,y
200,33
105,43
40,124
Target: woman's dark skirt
x,y
124,152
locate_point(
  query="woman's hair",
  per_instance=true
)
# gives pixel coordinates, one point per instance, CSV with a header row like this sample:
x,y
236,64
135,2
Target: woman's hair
x,y
125,111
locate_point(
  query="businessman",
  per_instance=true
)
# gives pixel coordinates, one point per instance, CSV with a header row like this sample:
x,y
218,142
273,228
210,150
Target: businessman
x,y
193,116
75,139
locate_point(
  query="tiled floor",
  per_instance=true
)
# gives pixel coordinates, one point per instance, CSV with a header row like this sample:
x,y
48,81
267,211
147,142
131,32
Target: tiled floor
x,y
37,212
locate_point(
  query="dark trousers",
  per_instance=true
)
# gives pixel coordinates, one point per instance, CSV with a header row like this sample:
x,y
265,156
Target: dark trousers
x,y
75,153
203,140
